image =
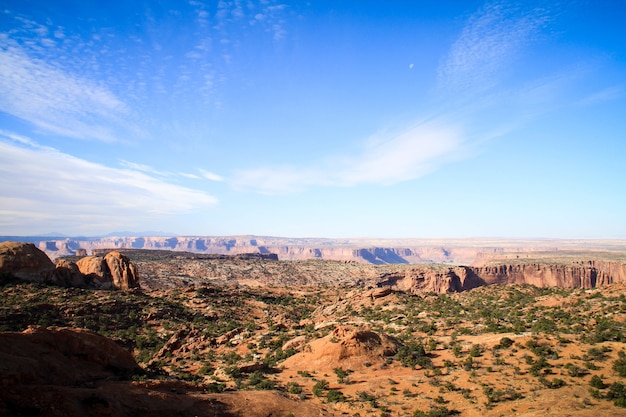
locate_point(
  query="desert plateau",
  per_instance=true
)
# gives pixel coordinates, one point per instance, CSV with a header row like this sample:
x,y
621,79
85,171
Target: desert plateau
x,y
278,208
128,332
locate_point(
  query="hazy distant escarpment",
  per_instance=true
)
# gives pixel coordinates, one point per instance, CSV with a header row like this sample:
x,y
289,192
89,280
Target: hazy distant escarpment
x,y
475,252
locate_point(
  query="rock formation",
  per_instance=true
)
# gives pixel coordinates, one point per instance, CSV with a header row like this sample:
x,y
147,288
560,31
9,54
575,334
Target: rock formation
x,y
111,271
68,274
26,262
432,280
42,356
589,274
347,346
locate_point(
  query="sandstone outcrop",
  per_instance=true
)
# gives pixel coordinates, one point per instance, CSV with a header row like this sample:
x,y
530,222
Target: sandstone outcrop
x,y
348,346
587,274
68,274
61,356
590,274
113,271
25,261
432,280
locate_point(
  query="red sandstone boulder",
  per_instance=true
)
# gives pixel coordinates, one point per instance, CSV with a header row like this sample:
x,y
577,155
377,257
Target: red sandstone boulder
x,y
25,261
113,271
123,273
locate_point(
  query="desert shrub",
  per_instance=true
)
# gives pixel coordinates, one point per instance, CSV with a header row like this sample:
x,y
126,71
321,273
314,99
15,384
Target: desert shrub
x,y
476,351
617,393
468,364
319,387
334,396
342,374
294,388
365,396
505,342
544,325
596,354
256,378
575,371
231,358
538,365
432,344
619,365
597,382
596,394
206,369
495,396
412,354
436,412
215,387
553,384
233,372
429,328
541,349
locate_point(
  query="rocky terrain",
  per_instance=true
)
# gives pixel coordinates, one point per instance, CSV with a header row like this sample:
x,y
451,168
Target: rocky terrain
x,y
215,335
374,251
24,261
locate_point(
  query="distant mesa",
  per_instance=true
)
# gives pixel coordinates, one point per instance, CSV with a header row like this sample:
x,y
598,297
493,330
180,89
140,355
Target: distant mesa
x,y
24,261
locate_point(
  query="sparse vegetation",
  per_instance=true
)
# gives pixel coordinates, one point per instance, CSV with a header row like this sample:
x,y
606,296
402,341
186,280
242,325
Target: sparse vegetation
x,y
485,348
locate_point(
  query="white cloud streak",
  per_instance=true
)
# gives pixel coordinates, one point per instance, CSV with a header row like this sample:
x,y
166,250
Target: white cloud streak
x,y
56,101
388,159
489,41
210,175
42,189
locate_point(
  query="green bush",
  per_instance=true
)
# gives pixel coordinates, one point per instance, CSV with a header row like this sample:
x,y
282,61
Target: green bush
x,y
619,365
319,387
597,382
334,396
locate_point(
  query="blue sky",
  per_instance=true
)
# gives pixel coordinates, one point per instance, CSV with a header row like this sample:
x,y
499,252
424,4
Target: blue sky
x,y
314,119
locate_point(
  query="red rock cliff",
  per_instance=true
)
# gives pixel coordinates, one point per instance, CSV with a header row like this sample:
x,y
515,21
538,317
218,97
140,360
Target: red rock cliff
x,y
590,274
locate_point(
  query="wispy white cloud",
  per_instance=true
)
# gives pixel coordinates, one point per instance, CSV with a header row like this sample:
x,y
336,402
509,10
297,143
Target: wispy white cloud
x,y
171,174
386,159
58,102
490,41
607,94
57,190
211,176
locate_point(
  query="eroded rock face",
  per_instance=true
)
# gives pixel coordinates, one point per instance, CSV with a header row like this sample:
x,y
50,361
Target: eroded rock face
x,y
123,273
25,261
587,275
113,271
437,281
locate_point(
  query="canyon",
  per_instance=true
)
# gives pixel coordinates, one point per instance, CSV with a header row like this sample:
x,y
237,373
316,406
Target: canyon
x,y
130,331
363,250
